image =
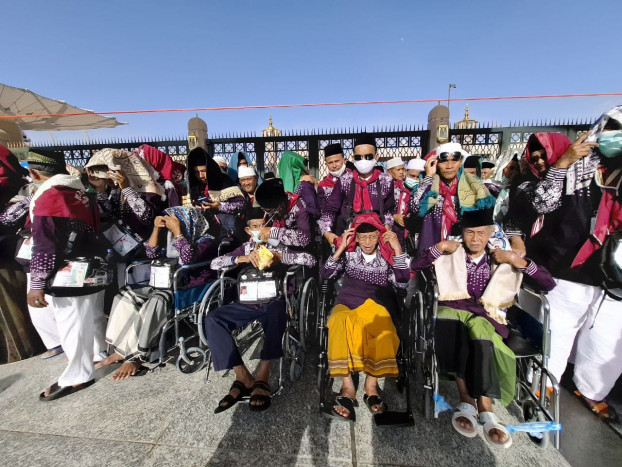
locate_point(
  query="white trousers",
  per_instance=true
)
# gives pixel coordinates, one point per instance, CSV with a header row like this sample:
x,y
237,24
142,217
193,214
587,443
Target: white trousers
x,y
44,321
593,336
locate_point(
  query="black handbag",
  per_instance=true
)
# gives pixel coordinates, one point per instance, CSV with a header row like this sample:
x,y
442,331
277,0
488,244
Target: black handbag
x,y
257,287
610,265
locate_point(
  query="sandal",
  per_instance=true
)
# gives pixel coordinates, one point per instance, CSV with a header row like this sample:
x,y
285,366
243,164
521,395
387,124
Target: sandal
x,y
374,400
260,397
491,422
468,411
603,410
346,403
229,400
51,353
56,391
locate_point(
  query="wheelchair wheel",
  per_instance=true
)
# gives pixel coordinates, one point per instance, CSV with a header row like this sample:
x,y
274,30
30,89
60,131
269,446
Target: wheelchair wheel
x,y
307,314
297,364
212,299
531,413
196,360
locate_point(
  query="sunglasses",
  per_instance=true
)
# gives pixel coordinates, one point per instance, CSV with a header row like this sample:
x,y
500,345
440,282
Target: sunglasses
x,y
367,157
447,156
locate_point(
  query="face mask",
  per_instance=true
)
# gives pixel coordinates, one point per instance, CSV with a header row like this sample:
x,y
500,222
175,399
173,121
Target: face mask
x,y
610,143
365,166
339,172
255,234
411,182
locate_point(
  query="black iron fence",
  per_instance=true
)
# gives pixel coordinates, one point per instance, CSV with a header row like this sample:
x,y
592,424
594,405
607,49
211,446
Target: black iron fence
x,y
406,142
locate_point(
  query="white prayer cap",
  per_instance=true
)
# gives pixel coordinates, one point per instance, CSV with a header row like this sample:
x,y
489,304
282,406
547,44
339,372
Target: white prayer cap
x,y
219,160
416,164
246,171
396,161
451,148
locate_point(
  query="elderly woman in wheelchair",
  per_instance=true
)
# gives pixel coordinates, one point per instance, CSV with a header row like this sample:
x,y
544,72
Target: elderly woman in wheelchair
x,y
477,279
131,327
361,334
270,311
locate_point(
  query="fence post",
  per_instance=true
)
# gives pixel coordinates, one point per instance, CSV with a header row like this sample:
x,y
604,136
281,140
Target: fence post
x,y
314,156
260,150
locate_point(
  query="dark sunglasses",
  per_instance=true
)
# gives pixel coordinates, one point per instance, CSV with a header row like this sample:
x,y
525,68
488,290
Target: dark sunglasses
x,y
445,156
368,157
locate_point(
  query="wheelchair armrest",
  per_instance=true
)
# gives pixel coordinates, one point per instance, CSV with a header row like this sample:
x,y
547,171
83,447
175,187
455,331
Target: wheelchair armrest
x,y
132,265
226,269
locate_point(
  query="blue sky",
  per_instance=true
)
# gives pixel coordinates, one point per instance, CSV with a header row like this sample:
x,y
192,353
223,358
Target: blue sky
x,y
127,55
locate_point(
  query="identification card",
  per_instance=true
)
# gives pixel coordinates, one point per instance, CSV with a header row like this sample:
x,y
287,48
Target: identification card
x,y
71,275
160,277
122,242
25,250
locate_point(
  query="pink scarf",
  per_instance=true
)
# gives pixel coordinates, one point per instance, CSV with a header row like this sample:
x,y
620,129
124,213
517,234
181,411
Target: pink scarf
x,y
362,200
449,213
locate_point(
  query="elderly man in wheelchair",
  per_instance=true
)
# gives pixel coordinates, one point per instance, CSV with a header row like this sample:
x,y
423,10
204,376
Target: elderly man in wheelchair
x,y
477,280
259,298
361,333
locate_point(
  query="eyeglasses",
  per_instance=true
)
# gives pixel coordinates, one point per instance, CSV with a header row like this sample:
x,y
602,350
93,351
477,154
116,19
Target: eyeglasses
x,y
445,156
368,157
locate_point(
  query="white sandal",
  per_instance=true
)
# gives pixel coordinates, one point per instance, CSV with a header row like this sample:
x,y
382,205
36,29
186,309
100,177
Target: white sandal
x,y
491,422
466,410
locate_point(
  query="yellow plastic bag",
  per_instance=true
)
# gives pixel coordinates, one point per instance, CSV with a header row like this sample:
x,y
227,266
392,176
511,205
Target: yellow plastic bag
x,y
265,257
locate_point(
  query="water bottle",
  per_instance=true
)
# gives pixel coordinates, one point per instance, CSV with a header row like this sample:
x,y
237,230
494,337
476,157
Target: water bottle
x,y
109,256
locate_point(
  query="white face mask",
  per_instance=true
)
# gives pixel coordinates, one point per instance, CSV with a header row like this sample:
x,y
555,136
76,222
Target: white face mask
x,y
338,173
255,234
365,166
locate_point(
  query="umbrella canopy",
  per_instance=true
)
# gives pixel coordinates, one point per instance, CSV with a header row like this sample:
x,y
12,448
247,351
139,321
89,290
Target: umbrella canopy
x,y
16,101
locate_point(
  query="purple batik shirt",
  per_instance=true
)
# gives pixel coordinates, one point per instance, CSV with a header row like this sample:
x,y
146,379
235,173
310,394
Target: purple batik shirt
x,y
234,205
14,215
297,229
432,222
137,212
367,280
288,257
50,237
306,190
342,197
478,276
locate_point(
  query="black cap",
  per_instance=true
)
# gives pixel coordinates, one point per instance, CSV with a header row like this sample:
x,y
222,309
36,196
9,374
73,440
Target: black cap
x,y
471,162
271,194
477,218
488,165
254,213
365,138
333,149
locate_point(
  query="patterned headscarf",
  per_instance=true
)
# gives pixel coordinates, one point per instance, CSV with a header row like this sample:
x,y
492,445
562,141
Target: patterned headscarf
x,y
142,177
193,223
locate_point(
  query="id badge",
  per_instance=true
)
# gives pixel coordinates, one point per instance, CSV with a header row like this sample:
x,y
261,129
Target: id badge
x,y
25,250
71,275
160,277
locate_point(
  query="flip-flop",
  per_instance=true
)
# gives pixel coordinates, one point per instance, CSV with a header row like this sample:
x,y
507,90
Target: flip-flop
x,y
51,353
491,422
230,400
374,400
56,391
346,403
468,411
603,410
267,400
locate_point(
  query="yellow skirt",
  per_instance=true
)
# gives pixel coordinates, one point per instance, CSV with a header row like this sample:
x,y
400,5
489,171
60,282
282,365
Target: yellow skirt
x,y
363,339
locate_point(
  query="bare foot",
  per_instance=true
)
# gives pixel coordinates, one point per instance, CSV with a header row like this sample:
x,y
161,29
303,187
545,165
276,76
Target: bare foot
x,y
127,369
114,358
465,424
347,390
497,436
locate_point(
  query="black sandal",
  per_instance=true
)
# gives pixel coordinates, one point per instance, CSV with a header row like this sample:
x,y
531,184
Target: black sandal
x,y
346,403
230,400
56,391
260,397
375,400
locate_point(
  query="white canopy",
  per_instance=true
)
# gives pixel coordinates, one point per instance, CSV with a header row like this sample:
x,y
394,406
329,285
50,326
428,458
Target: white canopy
x,y
16,101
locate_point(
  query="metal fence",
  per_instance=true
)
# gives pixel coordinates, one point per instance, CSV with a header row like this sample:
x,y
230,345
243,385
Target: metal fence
x,y
406,142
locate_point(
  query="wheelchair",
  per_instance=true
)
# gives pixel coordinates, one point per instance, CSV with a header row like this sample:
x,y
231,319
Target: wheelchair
x,y
301,304
179,329
529,339
404,326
